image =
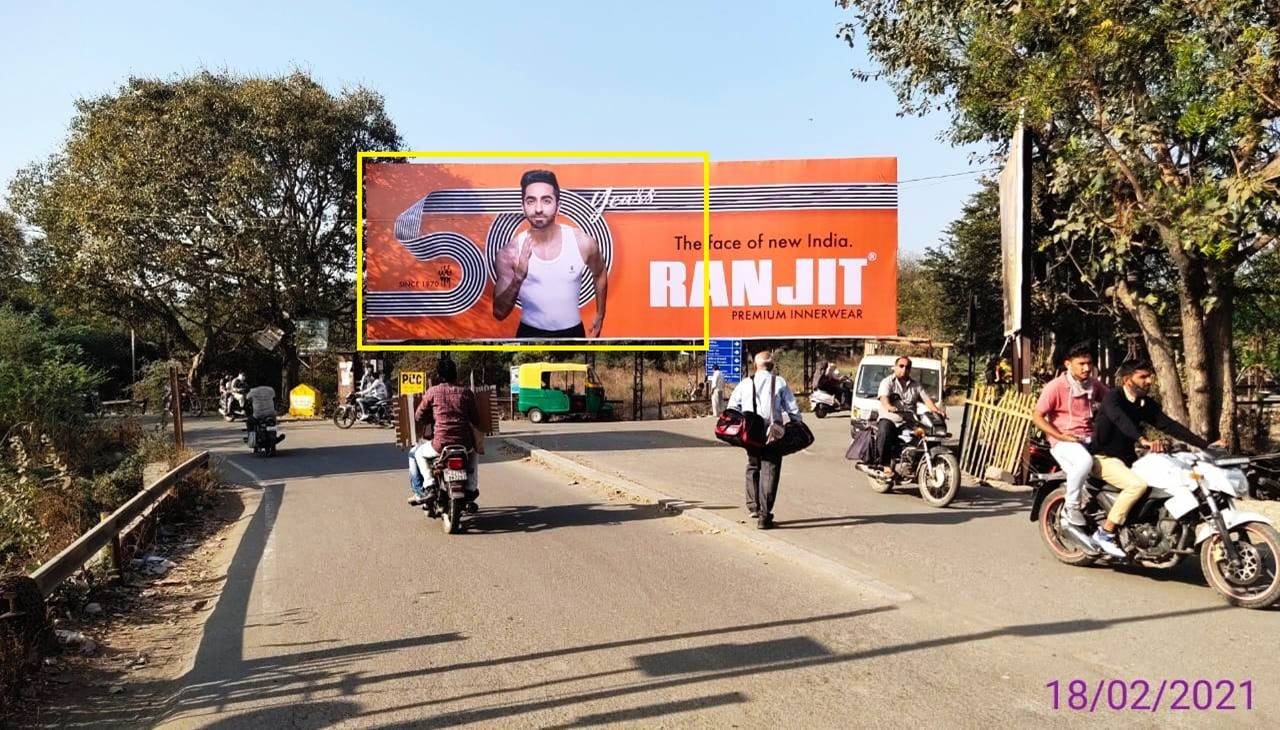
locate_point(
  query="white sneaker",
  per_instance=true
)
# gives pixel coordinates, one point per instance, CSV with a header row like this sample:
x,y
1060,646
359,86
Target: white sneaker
x,y
1072,515
1107,542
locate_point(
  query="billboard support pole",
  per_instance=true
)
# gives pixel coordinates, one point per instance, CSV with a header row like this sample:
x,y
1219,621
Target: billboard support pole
x,y
637,389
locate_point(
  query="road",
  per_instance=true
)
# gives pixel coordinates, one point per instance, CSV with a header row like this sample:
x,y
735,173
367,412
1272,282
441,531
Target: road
x,y
563,607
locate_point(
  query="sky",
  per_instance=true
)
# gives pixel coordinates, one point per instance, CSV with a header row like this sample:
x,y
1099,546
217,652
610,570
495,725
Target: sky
x,y
743,80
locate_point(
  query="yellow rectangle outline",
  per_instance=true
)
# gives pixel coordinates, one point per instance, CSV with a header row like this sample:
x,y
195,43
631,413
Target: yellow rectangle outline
x,y
704,155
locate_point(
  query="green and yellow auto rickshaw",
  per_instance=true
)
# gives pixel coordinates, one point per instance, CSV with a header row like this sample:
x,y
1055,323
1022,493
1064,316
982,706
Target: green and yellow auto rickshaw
x,y
561,389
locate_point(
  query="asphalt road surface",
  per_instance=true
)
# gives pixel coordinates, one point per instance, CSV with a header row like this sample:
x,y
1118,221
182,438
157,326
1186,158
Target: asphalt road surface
x,y
564,607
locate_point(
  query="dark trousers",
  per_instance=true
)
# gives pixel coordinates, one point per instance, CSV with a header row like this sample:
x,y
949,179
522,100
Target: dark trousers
x,y
529,332
886,439
764,469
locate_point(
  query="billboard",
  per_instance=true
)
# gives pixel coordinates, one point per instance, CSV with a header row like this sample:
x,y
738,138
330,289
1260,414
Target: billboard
x,y
612,251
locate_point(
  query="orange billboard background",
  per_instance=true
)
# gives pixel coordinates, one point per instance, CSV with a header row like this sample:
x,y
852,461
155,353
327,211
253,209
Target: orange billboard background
x,y
800,248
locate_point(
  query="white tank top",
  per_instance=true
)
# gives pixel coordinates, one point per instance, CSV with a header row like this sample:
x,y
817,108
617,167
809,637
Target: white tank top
x,y
549,294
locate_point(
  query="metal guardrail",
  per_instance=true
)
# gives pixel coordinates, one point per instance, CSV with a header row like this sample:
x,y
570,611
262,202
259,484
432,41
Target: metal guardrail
x,y
107,532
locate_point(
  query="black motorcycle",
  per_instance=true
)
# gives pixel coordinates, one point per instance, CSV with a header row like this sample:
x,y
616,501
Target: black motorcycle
x,y
346,415
918,455
1263,473
262,434
448,498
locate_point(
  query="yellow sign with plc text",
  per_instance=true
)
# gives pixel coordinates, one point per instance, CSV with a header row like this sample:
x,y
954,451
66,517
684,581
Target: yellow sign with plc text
x,y
412,383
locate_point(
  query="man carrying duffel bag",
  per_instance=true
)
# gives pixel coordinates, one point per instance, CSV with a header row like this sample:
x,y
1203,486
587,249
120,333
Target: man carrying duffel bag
x,y
768,396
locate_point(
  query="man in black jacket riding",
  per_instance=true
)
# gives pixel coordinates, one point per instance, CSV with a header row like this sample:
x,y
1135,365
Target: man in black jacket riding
x,y
1119,428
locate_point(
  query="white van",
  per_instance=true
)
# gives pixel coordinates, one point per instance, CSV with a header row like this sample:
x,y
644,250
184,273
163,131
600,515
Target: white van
x,y
875,368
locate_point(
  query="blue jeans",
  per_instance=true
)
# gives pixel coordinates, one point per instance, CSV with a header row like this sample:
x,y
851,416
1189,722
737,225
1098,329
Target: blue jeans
x,y
416,479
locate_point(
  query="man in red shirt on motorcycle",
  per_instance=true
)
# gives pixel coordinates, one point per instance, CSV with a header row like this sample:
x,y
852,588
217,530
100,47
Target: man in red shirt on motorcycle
x,y
451,411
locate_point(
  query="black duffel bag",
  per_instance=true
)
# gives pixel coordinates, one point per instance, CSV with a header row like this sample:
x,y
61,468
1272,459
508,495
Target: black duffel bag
x,y
796,436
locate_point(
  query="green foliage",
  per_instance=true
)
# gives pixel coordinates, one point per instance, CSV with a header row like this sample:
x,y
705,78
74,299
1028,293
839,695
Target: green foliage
x,y
208,207
967,264
921,310
1155,126
42,382
1257,318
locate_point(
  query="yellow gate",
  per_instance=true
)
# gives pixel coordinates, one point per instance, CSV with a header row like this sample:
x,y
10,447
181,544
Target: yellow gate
x,y
996,429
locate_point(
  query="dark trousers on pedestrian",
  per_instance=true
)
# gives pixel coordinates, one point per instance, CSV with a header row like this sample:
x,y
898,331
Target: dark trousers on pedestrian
x,y
764,469
886,432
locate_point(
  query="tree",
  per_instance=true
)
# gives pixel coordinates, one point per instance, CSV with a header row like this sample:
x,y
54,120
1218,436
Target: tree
x,y
1257,319
920,301
210,206
967,264
12,243
1156,123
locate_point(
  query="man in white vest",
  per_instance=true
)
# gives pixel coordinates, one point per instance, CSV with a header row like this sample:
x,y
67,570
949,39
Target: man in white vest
x,y
543,268
715,385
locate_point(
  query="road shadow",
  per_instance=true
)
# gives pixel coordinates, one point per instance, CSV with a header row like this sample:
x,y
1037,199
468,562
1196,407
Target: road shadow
x,y
529,518
725,663
642,440
946,516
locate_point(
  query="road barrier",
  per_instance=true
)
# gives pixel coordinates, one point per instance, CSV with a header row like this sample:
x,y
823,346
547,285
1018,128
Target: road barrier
x,y
108,532
997,425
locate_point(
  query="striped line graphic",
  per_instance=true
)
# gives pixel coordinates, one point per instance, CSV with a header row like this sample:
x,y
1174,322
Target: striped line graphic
x,y
581,206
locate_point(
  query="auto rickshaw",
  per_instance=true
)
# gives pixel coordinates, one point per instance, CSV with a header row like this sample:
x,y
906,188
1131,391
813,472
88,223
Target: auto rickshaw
x,y
561,389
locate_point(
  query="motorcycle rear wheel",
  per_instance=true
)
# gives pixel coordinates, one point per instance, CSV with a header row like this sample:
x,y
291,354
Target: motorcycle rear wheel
x,y
451,520
1259,545
1061,549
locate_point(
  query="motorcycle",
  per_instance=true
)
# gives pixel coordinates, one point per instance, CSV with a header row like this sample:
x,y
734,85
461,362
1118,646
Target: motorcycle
x,y
1189,508
262,435
234,406
1263,473
919,455
824,403
346,415
448,498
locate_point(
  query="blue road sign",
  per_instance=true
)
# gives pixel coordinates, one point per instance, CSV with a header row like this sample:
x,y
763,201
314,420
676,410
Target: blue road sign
x,y
728,355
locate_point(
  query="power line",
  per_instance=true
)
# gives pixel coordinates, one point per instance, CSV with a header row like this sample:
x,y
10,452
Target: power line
x,y
953,174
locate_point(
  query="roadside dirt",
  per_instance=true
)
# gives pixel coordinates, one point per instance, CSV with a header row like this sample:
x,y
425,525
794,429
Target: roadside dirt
x,y
140,636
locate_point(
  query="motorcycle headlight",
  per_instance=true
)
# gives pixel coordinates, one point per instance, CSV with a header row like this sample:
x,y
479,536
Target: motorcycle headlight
x,y
1239,482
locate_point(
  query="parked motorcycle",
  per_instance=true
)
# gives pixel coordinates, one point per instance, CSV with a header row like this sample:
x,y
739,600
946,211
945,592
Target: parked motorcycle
x,y
346,414
447,499
919,455
263,435
1263,473
1190,507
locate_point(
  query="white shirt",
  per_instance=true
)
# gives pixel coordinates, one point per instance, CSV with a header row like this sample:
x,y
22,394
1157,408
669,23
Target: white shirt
x,y
716,378
783,398
262,400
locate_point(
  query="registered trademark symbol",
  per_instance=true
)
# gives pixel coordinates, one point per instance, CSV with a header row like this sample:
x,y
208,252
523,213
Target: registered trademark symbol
x,y
872,256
